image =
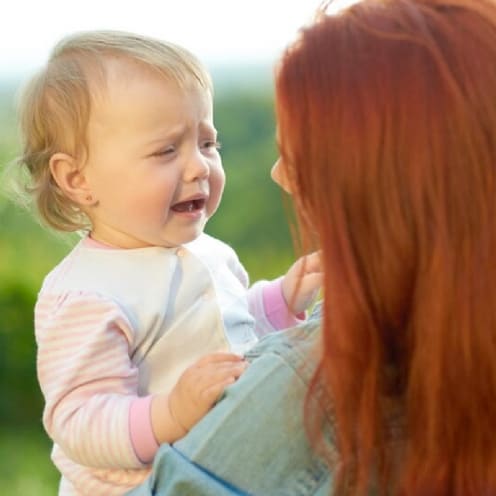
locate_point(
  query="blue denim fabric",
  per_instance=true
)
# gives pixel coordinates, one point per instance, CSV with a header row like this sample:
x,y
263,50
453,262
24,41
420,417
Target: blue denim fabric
x,y
253,442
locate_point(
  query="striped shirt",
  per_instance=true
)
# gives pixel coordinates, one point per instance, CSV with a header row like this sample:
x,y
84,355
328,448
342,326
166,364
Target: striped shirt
x,y
113,327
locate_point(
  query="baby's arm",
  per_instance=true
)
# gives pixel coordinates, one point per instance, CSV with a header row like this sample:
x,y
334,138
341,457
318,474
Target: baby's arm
x,y
198,388
281,303
87,378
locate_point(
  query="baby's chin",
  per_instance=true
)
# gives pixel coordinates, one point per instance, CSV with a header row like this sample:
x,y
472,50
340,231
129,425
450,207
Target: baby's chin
x,y
174,242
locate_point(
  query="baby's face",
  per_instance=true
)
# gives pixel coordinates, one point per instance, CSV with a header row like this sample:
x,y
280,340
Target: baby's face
x,y
153,165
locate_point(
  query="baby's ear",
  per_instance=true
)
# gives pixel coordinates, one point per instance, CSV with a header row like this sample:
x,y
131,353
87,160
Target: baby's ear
x,y
69,176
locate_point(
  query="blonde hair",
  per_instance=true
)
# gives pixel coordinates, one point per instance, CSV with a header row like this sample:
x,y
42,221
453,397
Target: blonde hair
x,y
55,106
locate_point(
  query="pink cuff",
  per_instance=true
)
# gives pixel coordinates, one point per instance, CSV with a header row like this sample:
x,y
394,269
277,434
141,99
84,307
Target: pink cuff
x,y
140,427
276,309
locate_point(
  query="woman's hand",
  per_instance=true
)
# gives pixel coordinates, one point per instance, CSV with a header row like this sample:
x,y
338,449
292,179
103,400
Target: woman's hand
x,y
302,282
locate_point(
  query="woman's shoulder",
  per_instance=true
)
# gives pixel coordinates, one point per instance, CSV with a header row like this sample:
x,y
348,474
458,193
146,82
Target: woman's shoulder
x,y
297,346
260,418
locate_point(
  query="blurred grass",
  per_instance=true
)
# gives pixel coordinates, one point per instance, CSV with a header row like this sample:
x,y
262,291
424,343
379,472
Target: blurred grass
x,y
30,250
26,468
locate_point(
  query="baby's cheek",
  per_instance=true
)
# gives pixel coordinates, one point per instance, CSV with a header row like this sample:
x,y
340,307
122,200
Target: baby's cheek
x,y
216,183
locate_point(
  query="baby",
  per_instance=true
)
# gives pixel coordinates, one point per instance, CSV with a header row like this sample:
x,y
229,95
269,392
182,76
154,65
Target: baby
x,y
143,325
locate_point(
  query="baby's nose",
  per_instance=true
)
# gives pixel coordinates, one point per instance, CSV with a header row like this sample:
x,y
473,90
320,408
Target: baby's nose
x,y
196,168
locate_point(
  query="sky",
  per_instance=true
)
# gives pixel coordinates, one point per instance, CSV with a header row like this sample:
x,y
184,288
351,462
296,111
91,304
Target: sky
x,y
220,32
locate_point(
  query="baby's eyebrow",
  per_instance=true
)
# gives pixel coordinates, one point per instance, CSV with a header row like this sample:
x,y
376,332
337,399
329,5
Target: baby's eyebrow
x,y
207,126
170,134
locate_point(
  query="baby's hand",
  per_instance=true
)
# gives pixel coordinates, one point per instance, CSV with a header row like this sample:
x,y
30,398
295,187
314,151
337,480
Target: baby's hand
x,y
304,277
201,385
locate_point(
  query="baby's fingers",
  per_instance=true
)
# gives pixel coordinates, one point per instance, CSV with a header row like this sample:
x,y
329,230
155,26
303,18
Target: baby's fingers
x,y
312,262
311,282
219,372
215,380
213,392
219,358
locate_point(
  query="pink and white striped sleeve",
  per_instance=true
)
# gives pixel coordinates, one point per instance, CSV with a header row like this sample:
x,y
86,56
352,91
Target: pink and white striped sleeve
x,y
87,378
267,304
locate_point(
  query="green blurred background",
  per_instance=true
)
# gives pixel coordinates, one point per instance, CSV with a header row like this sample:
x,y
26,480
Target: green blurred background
x,y
251,218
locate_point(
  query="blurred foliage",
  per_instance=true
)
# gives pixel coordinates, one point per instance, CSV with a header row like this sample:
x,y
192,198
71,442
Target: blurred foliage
x,y
21,401
251,218
26,468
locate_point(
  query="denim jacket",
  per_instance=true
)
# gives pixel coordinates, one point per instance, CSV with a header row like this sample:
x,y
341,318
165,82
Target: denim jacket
x,y
254,441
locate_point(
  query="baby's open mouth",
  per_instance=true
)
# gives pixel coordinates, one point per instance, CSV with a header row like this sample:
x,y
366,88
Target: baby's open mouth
x,y
189,206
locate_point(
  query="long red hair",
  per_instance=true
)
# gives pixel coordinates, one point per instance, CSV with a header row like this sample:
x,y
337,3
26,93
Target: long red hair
x,y
387,130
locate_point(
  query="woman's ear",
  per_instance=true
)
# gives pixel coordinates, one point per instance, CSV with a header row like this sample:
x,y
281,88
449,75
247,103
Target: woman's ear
x,y
70,178
279,176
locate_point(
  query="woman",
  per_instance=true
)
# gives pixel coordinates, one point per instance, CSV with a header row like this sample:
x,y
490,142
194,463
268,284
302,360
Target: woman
x,y
387,131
